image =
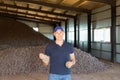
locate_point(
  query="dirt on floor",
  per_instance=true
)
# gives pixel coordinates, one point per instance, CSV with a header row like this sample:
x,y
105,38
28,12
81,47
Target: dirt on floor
x,y
112,73
20,46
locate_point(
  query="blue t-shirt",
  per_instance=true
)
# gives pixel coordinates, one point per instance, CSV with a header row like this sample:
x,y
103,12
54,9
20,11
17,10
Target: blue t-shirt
x,y
59,55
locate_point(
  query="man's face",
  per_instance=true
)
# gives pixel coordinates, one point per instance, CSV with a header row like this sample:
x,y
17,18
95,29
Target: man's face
x,y
59,35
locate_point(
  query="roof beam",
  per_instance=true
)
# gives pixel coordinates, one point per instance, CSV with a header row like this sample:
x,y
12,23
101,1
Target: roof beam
x,y
26,18
109,2
78,2
33,15
56,6
47,12
3,15
59,1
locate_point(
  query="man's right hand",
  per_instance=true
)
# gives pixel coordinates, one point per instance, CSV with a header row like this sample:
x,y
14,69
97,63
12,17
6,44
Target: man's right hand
x,y
45,59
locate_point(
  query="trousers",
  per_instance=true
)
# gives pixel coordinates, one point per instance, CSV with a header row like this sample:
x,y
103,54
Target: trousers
x,y
59,77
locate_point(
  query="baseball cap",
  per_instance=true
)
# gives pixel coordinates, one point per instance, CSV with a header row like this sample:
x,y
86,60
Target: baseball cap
x,y
58,28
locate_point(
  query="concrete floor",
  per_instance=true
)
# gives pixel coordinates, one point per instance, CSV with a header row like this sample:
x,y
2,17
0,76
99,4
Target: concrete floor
x,y
110,74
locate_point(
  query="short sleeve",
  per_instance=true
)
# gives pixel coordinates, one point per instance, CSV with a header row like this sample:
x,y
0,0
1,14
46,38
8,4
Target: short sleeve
x,y
71,48
47,51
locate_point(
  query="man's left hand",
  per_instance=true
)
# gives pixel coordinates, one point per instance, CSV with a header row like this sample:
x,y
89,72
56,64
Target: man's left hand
x,y
69,64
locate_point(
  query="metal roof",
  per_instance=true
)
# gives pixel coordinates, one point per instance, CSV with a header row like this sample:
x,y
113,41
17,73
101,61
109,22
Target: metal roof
x,y
53,11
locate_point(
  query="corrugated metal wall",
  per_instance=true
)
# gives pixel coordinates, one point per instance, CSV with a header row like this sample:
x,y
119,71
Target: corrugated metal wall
x,y
63,26
70,31
100,32
46,30
83,32
30,24
118,31
101,21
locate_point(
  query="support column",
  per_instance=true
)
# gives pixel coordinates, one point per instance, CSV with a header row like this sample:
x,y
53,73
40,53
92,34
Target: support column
x,y
113,32
75,40
66,30
89,32
78,31
53,29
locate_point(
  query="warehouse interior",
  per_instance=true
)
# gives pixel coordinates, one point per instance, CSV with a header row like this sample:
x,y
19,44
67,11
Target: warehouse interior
x,y
92,26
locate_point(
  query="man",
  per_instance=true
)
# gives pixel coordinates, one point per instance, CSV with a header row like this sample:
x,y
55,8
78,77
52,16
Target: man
x,y
60,56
